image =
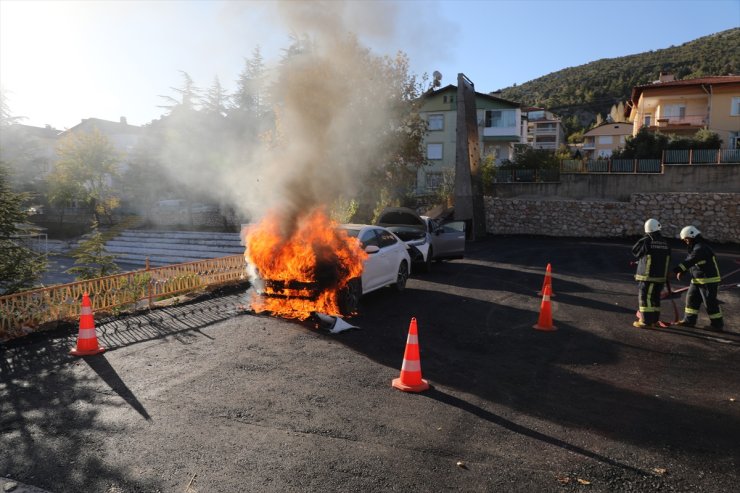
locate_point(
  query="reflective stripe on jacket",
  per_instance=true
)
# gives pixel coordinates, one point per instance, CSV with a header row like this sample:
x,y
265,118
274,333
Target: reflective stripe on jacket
x,y
701,262
654,254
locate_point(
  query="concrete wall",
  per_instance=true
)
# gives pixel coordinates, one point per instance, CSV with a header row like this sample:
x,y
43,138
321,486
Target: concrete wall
x,y
717,215
705,178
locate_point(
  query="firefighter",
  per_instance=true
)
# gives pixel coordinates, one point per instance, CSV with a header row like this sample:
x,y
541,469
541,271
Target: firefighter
x,y
705,278
653,255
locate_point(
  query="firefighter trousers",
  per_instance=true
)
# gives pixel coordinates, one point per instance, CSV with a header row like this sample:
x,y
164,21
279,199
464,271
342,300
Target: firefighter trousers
x,y
706,293
648,298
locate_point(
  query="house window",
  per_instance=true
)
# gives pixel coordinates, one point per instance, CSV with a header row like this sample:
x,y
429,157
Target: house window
x,y
545,126
735,140
434,151
605,140
545,138
674,111
436,122
434,180
500,118
735,110
647,120
605,153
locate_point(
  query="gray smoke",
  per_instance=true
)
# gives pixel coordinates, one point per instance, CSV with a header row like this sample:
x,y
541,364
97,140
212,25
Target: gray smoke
x,y
332,107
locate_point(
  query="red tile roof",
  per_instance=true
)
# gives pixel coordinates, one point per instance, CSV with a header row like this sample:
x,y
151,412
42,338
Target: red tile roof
x,y
707,81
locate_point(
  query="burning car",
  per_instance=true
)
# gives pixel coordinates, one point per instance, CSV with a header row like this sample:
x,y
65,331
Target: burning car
x,y
318,266
387,264
428,239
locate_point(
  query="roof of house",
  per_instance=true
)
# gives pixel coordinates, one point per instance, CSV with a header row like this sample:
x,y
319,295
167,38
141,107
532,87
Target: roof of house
x,y
452,87
105,126
700,81
44,132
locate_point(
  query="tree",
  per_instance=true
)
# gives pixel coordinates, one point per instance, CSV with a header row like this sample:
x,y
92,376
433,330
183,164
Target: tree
x,y
650,145
20,267
189,96
215,102
87,165
526,157
91,260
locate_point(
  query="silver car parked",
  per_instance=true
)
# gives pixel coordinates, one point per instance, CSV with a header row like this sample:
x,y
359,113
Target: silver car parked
x,y
428,239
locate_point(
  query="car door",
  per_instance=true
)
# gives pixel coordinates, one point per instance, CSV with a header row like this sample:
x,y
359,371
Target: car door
x,y
448,239
390,247
374,266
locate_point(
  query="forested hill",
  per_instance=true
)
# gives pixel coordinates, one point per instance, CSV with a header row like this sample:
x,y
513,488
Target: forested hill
x,y
593,88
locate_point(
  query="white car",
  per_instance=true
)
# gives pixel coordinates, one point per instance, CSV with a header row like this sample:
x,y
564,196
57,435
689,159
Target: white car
x,y
427,238
387,264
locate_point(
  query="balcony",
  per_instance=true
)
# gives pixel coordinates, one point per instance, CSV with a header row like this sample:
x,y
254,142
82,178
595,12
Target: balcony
x,y
681,121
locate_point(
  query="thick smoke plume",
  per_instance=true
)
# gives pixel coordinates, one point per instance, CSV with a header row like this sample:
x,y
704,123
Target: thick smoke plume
x,y
332,101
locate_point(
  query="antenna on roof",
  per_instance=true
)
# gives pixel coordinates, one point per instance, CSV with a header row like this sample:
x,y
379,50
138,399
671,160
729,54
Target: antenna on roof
x,y
437,79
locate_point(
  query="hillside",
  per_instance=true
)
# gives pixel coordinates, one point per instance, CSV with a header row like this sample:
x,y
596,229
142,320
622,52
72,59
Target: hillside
x,y
594,87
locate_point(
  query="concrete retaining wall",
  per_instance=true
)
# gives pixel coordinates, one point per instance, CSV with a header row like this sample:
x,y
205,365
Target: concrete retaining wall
x,y
717,215
616,186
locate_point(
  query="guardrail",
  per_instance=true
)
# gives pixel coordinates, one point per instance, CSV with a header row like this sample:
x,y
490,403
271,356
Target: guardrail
x,y
24,312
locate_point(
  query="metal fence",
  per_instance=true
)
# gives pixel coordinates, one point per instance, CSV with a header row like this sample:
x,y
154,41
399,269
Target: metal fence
x,y
677,156
526,175
611,166
702,156
24,312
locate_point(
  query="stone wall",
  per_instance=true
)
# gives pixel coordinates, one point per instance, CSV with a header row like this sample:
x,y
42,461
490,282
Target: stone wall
x,y
717,215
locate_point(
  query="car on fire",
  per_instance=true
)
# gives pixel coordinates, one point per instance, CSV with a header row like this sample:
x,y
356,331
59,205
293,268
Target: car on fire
x,y
387,264
428,239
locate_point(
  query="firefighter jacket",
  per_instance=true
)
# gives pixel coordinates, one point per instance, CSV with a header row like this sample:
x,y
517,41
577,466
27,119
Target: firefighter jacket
x,y
702,263
653,254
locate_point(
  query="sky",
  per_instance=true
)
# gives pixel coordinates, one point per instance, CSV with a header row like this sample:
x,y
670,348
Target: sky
x,y
62,61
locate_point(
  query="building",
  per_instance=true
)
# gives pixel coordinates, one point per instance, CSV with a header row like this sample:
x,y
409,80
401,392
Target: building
x,y
499,129
544,129
683,107
29,151
122,136
603,140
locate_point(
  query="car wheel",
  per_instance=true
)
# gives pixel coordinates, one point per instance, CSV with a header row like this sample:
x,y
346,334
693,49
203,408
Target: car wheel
x,y
427,265
403,275
349,297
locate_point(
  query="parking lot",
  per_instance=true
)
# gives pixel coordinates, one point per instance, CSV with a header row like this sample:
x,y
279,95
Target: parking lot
x,y
204,397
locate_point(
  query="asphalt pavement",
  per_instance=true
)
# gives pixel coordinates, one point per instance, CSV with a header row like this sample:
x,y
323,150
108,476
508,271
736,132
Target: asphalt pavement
x,y
202,396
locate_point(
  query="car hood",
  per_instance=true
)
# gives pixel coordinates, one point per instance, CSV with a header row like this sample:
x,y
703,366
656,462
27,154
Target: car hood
x,y
401,216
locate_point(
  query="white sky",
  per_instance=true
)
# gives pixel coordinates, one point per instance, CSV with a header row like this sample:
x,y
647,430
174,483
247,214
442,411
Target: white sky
x,y
61,61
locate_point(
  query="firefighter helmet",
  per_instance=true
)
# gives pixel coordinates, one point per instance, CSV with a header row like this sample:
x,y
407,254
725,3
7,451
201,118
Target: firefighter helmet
x,y
689,232
652,226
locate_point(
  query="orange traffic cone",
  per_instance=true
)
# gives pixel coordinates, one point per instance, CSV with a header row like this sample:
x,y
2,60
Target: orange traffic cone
x,y
87,342
545,320
410,379
547,281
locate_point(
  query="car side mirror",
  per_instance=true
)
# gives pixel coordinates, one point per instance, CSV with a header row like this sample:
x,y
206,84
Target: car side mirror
x,y
372,249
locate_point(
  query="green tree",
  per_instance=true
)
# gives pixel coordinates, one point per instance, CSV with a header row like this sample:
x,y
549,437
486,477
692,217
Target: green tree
x,y
215,102
91,259
650,145
20,267
526,157
87,166
189,96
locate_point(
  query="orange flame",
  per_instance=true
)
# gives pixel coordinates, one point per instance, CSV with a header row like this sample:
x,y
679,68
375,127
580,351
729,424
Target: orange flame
x,y
304,270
